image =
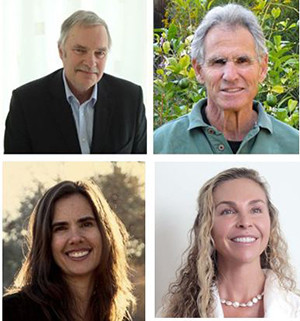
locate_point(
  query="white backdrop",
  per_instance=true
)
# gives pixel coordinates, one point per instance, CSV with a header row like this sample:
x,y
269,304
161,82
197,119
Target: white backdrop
x,y
176,190
29,30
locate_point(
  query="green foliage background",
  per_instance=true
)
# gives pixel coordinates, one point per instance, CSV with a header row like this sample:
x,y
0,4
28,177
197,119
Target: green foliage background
x,y
122,193
175,86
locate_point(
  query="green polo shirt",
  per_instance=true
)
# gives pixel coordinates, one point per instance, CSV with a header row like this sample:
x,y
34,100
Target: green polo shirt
x,y
189,134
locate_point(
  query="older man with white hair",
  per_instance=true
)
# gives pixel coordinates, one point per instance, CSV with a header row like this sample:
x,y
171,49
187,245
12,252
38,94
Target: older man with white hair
x,y
230,59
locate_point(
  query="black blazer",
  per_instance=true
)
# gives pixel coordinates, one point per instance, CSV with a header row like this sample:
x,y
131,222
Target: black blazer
x,y
19,307
40,120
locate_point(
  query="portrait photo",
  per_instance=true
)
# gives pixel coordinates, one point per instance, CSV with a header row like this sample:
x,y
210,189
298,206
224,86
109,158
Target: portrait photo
x,y
226,77
220,222
73,241
71,54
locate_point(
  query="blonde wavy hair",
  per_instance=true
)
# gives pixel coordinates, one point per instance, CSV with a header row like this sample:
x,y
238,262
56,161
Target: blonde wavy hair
x,y
191,295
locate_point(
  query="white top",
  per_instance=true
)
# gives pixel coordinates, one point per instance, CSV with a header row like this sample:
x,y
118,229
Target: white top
x,y
278,303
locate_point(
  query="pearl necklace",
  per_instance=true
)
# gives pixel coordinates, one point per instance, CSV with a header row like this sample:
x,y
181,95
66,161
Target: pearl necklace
x,y
249,304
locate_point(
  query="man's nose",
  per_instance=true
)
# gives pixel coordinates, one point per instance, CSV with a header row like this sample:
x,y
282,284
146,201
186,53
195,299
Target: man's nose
x,y
230,71
90,60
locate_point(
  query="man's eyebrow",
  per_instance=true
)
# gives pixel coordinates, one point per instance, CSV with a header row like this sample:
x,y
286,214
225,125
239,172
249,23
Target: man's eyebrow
x,y
214,58
79,46
102,48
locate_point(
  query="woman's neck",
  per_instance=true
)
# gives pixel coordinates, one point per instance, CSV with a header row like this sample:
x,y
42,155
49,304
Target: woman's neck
x,y
240,282
82,290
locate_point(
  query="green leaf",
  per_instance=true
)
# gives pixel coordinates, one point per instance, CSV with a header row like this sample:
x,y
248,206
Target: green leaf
x,y
276,12
176,68
292,104
185,61
293,25
281,113
278,89
209,4
172,61
191,73
172,31
295,118
160,72
260,6
159,82
277,40
166,47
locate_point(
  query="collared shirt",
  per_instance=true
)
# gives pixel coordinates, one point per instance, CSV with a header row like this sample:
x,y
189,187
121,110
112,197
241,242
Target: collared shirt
x,y
278,303
189,134
83,116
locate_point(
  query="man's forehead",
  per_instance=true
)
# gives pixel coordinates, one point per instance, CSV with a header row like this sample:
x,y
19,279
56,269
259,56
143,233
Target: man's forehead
x,y
224,40
80,28
81,34
225,28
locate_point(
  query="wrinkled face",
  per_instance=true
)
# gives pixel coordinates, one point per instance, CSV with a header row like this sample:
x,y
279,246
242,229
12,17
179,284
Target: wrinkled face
x,y
84,57
76,239
241,226
231,71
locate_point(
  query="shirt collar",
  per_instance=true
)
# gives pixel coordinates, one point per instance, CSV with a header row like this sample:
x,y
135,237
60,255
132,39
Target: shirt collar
x,y
196,119
70,96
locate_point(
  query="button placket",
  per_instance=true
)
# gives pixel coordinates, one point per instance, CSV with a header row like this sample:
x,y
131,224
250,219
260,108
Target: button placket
x,y
210,131
221,147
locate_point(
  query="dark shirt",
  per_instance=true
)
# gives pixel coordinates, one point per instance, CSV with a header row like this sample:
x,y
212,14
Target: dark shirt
x,y
19,307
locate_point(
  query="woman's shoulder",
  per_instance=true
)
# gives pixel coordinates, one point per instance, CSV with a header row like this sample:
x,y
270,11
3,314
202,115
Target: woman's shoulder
x,y
17,299
278,301
19,306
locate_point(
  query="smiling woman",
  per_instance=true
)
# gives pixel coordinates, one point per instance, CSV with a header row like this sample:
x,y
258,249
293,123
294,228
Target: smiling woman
x,y
76,267
237,262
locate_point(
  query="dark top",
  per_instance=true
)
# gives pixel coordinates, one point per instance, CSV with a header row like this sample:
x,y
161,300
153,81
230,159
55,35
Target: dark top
x,y
40,120
19,307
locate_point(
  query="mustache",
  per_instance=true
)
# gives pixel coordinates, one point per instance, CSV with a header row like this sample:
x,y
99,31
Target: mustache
x,y
87,69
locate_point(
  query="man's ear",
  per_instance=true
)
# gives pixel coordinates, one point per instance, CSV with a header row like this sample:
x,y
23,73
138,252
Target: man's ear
x,y
263,68
61,52
198,71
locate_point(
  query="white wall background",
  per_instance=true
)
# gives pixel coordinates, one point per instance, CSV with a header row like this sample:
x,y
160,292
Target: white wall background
x,y
176,190
29,30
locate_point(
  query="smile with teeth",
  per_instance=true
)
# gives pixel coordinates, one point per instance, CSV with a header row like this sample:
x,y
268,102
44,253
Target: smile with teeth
x,y
78,254
248,239
232,90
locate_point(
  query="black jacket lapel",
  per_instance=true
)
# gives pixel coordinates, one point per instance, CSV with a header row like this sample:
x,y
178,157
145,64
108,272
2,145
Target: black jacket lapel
x,y
102,118
62,114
